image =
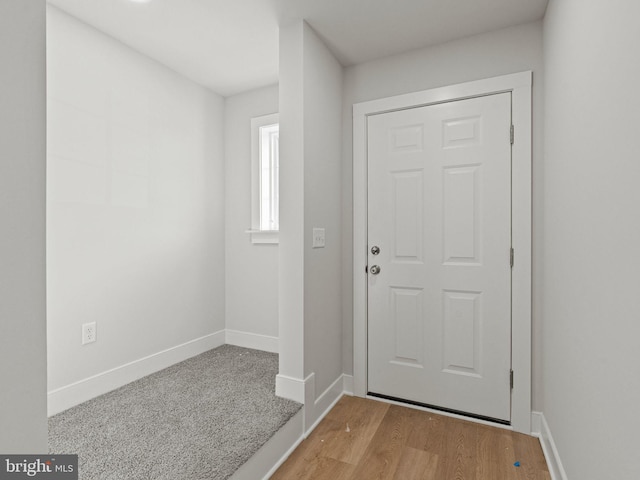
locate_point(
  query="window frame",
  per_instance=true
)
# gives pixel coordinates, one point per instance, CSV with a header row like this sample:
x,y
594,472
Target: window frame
x,y
259,236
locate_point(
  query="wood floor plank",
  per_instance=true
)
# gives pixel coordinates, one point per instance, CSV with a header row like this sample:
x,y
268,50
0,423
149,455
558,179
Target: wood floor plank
x,y
382,456
300,464
429,432
416,465
330,440
317,468
390,442
459,454
528,451
495,456
353,425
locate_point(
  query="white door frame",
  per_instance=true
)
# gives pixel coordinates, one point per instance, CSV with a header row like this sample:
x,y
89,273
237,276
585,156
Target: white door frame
x,y
519,84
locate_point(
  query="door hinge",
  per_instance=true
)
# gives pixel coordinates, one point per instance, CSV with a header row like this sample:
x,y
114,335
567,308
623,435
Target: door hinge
x,y
366,269
511,257
512,134
511,379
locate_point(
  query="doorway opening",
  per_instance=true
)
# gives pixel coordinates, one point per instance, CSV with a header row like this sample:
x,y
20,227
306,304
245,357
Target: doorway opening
x,y
518,86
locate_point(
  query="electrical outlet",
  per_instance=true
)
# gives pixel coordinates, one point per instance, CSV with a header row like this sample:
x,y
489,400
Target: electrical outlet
x,y
89,333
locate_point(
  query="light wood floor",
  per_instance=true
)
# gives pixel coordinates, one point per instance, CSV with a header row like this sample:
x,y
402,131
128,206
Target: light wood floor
x,y
362,439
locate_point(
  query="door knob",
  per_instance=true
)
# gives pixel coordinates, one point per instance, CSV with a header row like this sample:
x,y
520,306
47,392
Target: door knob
x,y
375,250
375,270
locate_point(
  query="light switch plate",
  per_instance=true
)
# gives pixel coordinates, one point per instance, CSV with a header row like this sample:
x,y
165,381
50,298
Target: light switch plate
x,y
318,238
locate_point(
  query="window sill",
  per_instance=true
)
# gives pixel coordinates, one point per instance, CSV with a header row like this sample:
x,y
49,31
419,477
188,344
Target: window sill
x,y
264,236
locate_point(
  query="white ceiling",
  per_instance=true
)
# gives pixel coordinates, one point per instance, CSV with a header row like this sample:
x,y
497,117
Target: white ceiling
x,y
231,46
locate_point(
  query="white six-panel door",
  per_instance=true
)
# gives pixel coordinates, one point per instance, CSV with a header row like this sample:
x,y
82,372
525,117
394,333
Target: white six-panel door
x,y
439,211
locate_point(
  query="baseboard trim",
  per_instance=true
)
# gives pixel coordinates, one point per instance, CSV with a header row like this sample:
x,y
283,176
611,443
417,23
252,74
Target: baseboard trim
x,y
272,454
536,423
540,429
252,340
347,384
76,393
291,388
316,409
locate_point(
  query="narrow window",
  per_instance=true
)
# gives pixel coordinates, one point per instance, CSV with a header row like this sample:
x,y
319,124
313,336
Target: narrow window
x,y
269,177
265,190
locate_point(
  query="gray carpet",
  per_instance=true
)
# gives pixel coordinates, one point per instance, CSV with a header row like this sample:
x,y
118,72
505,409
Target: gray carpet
x,y
199,419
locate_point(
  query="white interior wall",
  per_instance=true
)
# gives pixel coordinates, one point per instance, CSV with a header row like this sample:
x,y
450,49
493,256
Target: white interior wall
x,y
290,380
488,55
591,368
135,219
323,78
23,406
310,183
251,270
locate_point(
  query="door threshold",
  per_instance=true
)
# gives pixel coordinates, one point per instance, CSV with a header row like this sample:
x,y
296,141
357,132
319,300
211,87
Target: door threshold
x,y
457,413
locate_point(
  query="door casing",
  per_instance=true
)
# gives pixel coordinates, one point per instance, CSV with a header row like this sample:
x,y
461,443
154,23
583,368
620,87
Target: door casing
x,y
519,84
